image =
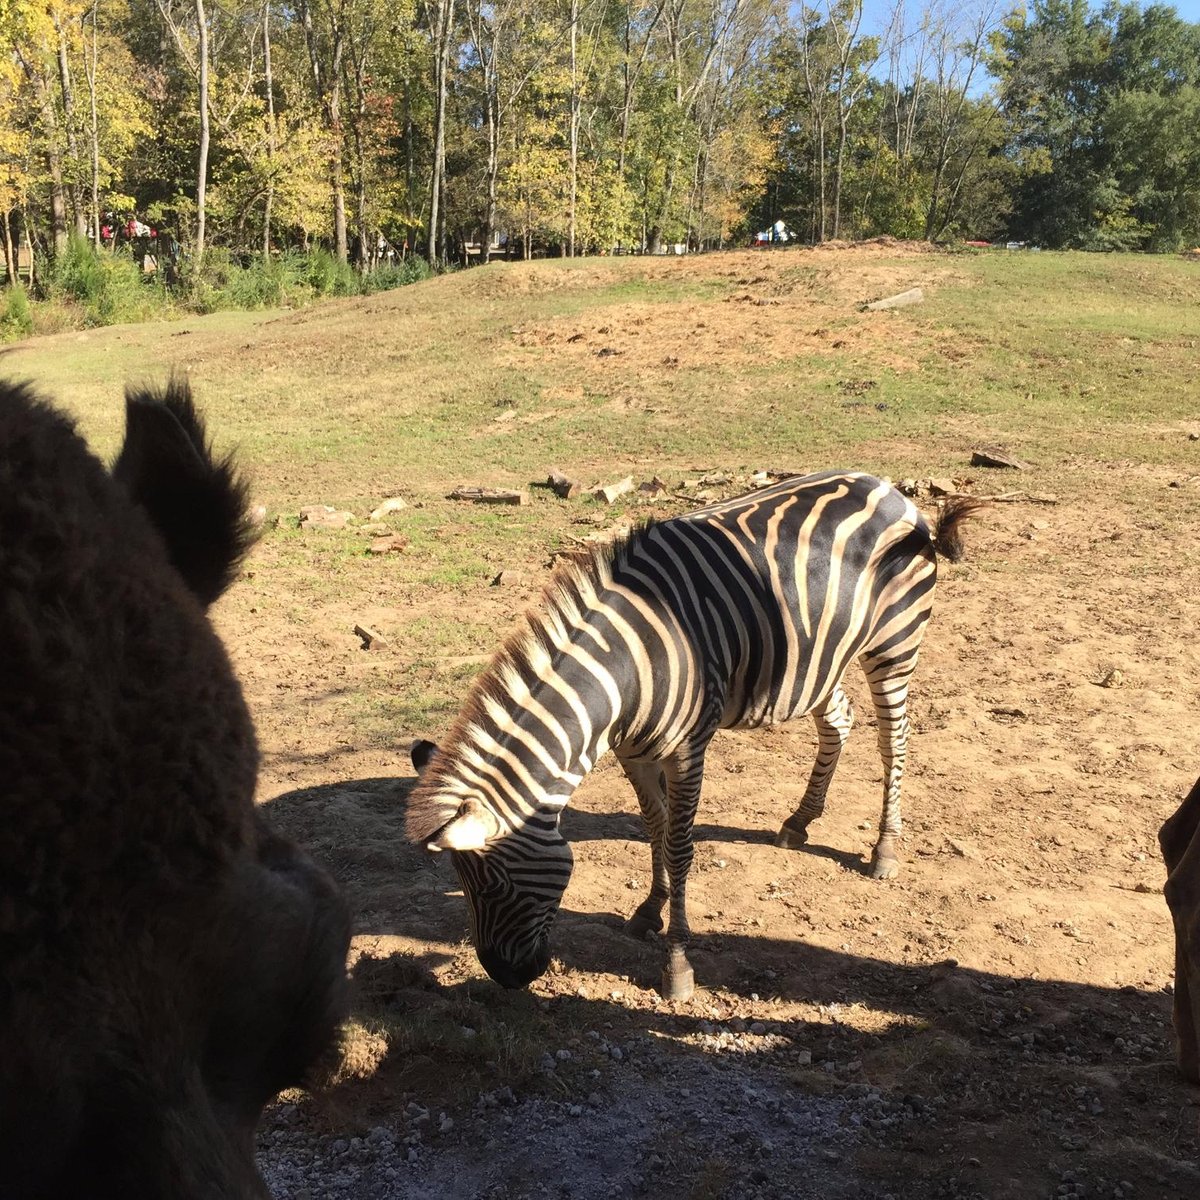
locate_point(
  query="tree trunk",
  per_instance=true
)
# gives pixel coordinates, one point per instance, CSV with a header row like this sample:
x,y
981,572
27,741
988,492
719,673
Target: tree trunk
x,y
269,82
10,262
92,68
68,99
58,207
574,128
202,159
441,65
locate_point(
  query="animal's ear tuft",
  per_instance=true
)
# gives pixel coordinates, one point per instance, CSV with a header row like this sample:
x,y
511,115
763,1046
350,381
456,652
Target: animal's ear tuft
x,y
421,753
197,501
468,829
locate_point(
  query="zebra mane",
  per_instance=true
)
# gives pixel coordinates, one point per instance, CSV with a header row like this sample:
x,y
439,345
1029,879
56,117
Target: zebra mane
x,y
543,628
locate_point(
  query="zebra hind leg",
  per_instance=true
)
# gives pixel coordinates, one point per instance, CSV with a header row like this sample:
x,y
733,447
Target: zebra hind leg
x,y
889,693
685,775
650,785
834,718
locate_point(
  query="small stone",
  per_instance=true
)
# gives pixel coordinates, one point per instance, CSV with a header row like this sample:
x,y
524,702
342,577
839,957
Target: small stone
x,y
616,1053
576,1110
445,1124
511,578
563,1055
804,1057
390,505
393,544
1113,679
372,639
758,1027
324,516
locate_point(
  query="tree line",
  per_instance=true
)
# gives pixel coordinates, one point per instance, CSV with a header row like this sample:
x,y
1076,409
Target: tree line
x,y
466,128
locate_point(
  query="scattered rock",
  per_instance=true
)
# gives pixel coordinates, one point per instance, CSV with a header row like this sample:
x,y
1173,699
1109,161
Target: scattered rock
x,y
899,300
324,516
375,529
943,486
511,578
392,544
564,488
372,639
1113,678
997,456
614,490
490,495
390,505
652,487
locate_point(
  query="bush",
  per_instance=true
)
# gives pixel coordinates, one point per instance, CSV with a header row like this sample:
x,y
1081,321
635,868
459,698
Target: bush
x,y
329,276
393,275
16,321
107,284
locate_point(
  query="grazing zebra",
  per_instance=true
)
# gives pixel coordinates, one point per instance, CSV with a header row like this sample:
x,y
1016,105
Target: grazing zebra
x,y
743,613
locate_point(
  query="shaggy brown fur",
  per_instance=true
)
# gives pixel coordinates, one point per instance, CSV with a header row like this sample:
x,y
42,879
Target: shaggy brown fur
x,y
1180,842
166,963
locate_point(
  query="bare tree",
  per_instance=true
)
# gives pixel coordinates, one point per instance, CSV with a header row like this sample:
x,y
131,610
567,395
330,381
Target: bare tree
x,y
960,43
198,61
325,49
272,127
91,70
440,18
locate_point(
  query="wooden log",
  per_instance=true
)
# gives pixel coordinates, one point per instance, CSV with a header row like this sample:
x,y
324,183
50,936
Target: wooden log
x,y
900,300
372,639
993,456
561,486
614,490
490,495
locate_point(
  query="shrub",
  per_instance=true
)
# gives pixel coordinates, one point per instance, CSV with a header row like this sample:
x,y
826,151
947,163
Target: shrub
x,y
393,275
107,284
16,321
329,276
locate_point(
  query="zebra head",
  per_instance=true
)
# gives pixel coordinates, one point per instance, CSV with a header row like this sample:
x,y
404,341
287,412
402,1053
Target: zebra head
x,y
513,877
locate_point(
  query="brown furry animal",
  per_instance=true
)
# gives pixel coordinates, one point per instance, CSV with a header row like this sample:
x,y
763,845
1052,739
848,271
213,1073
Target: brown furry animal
x,y
1180,842
167,964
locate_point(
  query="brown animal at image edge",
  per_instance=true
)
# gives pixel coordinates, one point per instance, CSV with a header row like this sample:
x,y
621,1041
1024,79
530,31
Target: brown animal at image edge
x,y
167,963
1180,842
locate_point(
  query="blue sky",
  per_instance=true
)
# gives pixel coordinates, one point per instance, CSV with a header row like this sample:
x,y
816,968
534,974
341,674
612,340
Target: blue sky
x,y
878,10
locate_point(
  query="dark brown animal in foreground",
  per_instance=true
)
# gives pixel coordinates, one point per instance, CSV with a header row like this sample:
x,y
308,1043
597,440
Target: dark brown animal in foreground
x,y
1180,842
167,964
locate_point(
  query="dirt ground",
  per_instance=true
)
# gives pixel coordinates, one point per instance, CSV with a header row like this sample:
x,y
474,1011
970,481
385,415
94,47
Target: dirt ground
x,y
995,1022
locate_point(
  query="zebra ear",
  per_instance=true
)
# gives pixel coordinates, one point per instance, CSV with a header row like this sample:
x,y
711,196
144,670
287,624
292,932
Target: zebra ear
x,y
468,829
422,751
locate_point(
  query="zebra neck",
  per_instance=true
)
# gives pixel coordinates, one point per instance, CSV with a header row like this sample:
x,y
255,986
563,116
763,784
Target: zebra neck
x,y
543,722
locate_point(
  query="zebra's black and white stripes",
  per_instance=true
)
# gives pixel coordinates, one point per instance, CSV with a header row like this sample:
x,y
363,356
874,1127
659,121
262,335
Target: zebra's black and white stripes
x,y
744,613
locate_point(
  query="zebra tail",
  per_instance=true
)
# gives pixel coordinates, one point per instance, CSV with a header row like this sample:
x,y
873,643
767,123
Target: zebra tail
x,y
947,529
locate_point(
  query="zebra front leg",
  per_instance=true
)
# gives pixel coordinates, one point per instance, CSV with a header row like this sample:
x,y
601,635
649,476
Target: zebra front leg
x,y
649,783
684,775
833,717
889,693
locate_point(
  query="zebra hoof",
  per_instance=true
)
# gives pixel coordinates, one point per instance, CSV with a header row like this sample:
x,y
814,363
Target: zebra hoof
x,y
640,926
679,981
884,867
791,839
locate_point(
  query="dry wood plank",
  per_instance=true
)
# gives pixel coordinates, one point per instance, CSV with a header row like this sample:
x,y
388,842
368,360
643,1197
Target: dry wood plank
x,y
614,490
490,495
562,486
900,300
